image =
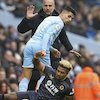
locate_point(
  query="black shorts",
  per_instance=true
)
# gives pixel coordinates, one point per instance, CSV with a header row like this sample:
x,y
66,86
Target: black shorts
x,y
30,95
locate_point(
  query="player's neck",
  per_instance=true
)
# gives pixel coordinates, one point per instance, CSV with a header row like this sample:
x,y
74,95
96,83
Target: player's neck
x,y
64,78
62,17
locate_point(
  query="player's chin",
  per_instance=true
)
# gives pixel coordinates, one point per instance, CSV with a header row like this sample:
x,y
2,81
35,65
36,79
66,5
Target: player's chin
x,y
68,22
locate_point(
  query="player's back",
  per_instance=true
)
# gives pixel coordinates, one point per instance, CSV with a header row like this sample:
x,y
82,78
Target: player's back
x,y
45,25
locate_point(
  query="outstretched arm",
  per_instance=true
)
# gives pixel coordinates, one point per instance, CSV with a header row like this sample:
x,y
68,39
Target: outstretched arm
x,y
37,62
64,40
75,53
24,25
55,52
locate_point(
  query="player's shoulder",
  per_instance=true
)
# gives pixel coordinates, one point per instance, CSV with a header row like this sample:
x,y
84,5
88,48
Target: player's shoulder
x,y
51,18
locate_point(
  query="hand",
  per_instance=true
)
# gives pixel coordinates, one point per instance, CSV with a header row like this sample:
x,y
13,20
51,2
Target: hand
x,y
40,54
30,11
43,53
56,53
75,53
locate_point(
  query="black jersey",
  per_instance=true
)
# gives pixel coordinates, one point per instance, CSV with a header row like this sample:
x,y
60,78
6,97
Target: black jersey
x,y
51,88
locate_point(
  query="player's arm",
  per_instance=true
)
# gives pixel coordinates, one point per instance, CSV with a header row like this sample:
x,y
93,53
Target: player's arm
x,y
23,26
64,40
55,52
40,66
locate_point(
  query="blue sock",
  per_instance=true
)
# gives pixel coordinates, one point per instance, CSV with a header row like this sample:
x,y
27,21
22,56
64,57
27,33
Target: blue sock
x,y
23,85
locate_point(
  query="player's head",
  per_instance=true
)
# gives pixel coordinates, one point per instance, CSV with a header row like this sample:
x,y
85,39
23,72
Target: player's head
x,y
48,6
63,69
67,14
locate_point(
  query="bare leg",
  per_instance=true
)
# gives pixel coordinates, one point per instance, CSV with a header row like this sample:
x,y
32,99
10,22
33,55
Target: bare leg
x,y
23,86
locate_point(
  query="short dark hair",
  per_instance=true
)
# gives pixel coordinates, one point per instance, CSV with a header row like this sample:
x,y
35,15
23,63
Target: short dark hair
x,y
68,8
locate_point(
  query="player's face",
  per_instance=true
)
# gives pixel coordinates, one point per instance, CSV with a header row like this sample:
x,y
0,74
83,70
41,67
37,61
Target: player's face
x,y
48,6
68,16
61,73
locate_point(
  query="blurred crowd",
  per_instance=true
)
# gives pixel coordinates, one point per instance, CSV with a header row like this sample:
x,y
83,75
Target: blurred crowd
x,y
87,19
10,59
86,23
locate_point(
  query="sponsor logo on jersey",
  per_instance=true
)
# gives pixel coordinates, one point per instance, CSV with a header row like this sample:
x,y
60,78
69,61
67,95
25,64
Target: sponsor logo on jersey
x,y
51,87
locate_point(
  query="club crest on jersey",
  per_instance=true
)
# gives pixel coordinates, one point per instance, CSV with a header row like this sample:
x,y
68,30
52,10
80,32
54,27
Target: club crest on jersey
x,y
61,87
57,27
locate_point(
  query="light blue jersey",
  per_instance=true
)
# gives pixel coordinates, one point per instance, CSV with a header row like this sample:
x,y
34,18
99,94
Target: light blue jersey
x,y
43,39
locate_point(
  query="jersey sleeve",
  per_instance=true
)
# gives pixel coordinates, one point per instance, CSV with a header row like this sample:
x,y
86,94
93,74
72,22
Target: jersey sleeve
x,y
48,70
70,90
24,26
64,40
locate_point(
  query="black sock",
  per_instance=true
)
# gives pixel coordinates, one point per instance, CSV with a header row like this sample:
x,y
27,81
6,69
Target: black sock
x,y
1,96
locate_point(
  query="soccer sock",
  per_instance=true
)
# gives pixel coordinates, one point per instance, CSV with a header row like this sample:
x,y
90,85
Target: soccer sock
x,y
23,85
1,96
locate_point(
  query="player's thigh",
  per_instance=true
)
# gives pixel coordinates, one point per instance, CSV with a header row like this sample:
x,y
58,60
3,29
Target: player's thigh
x,y
27,72
46,59
28,56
